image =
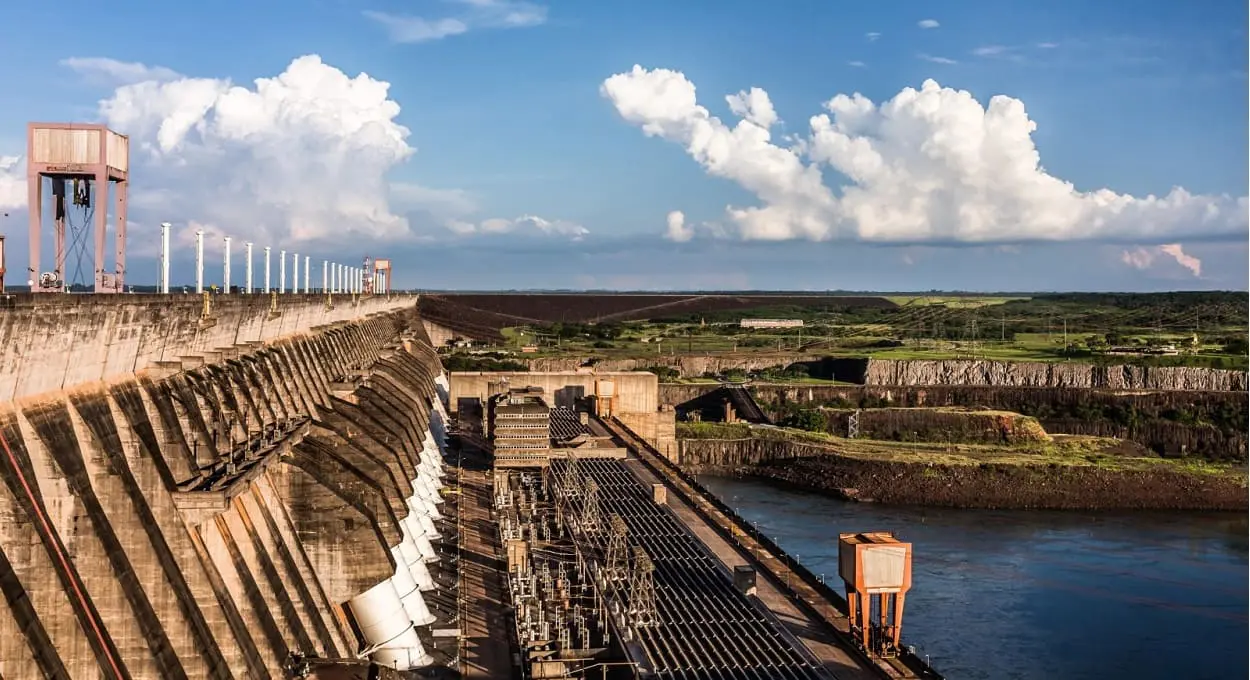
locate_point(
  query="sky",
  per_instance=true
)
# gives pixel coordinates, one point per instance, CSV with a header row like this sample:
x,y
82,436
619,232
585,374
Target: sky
x,y
655,145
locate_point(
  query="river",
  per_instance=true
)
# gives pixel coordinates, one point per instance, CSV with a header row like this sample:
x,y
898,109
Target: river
x,y
1001,595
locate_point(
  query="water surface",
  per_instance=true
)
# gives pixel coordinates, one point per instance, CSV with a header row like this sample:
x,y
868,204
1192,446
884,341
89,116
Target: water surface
x,y
1042,594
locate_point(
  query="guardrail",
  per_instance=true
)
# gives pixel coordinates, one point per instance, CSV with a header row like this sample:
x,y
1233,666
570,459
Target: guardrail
x,y
663,467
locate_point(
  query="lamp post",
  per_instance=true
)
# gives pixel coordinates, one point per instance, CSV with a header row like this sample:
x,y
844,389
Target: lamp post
x,y
266,288
225,268
247,283
199,261
165,257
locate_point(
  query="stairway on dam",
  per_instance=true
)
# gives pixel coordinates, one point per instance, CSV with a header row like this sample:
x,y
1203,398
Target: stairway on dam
x,y
203,487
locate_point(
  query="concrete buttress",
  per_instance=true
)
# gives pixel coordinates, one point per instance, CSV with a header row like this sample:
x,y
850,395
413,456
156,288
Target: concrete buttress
x,y
192,491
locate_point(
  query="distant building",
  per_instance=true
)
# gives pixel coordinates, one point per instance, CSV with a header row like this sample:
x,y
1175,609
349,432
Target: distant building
x,y
771,323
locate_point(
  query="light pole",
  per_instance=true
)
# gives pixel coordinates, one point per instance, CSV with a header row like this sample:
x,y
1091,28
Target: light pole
x,y
225,269
247,285
165,258
199,261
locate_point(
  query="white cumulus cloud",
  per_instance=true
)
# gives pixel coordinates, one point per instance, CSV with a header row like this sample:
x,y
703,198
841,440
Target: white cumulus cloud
x,y
113,72
753,105
677,230
300,161
929,165
12,182
1189,262
928,23
526,225
302,156
1144,258
405,28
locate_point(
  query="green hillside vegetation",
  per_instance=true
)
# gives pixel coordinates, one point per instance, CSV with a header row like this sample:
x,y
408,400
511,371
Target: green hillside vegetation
x,y
1165,329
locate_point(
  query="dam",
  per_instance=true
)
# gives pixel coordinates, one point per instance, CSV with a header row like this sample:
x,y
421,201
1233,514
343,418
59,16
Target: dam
x,y
234,486
274,486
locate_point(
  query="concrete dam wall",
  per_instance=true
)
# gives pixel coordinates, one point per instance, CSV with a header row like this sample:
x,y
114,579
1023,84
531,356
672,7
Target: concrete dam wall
x,y
58,342
272,497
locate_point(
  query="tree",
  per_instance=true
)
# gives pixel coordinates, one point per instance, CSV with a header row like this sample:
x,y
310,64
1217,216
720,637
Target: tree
x,y
1237,346
812,420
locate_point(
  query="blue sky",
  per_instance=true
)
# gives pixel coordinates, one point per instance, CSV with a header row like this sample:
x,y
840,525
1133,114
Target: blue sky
x,y
508,120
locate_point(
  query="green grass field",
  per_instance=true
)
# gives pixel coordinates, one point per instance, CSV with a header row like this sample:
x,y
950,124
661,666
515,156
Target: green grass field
x,y
639,341
1072,327
952,302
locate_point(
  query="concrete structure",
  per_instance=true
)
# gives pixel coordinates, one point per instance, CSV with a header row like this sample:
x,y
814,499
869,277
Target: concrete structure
x,y
629,396
75,158
520,422
633,392
200,487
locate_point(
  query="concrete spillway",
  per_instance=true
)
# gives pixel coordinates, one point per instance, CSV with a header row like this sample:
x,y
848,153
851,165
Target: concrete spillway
x,y
200,487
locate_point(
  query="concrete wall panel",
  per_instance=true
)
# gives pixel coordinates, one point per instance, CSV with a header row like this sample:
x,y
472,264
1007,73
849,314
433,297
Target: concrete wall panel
x,y
118,485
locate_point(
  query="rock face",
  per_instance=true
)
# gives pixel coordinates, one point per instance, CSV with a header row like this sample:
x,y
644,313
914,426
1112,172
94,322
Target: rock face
x,y
819,468
934,425
734,456
204,522
1008,486
1190,423
1067,375
916,373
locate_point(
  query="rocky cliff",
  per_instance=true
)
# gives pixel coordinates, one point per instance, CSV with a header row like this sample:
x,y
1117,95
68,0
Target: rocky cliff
x,y
936,425
737,456
1058,374
1206,424
989,485
916,373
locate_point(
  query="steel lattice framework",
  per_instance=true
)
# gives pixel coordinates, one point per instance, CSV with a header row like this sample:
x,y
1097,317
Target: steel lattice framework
x,y
678,601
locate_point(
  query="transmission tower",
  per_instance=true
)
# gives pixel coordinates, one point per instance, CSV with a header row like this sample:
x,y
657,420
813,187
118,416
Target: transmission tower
x,y
642,590
571,477
852,425
618,548
591,518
